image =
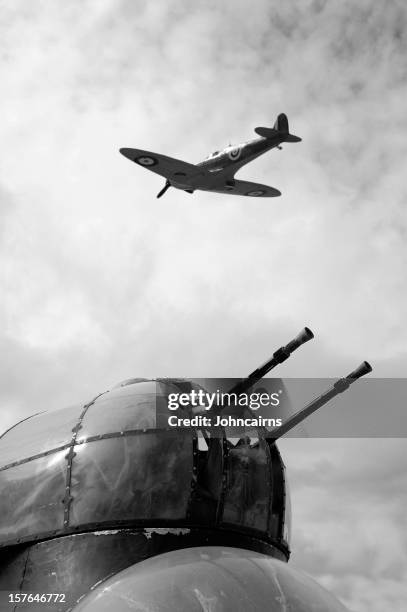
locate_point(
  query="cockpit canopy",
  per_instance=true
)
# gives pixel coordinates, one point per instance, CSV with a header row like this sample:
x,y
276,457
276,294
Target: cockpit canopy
x,y
214,154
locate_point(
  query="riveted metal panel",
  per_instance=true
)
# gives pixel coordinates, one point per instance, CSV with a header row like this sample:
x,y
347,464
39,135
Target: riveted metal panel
x,y
75,563
146,476
32,495
128,407
39,434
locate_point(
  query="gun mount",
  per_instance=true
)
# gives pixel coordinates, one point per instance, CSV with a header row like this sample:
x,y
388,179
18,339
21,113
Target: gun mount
x,y
101,481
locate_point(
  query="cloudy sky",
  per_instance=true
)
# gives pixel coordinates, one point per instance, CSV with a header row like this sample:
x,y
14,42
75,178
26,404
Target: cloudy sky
x,y
101,281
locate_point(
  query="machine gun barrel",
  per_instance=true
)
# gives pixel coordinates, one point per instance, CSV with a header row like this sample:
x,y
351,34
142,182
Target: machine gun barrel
x,y
341,385
278,357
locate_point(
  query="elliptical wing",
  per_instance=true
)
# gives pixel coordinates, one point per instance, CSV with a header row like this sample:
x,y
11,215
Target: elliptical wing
x,y
170,168
246,188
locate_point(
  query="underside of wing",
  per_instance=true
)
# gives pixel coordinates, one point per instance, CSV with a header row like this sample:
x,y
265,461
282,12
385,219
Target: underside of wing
x,y
175,170
245,188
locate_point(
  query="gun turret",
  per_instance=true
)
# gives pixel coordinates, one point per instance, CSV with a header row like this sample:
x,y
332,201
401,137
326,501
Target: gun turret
x,y
341,385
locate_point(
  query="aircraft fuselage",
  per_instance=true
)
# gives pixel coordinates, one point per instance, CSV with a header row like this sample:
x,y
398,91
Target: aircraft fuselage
x,y
225,163
239,155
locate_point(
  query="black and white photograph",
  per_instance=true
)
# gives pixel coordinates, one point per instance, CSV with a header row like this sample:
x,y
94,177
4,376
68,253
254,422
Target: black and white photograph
x,y
204,298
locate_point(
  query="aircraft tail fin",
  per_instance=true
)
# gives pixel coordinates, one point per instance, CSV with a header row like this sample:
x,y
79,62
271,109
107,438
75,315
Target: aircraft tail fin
x,y
281,124
279,129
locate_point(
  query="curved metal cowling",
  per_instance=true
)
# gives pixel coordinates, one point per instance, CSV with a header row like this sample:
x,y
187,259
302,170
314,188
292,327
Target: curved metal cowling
x,y
212,579
105,465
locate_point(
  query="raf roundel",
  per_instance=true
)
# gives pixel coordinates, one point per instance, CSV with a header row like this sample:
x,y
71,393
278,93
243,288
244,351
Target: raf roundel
x,y
234,153
145,160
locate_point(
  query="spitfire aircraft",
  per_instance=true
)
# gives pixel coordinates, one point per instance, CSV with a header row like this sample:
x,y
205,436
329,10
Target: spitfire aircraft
x,y
217,172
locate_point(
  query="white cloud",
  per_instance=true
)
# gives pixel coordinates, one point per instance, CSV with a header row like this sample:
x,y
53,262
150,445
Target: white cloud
x,y
348,517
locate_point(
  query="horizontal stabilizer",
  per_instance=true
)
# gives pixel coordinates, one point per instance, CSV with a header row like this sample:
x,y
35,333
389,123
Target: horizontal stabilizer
x,y
292,138
279,131
271,133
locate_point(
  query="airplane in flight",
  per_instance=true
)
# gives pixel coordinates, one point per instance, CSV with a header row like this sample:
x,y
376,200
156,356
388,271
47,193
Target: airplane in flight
x,y
217,172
